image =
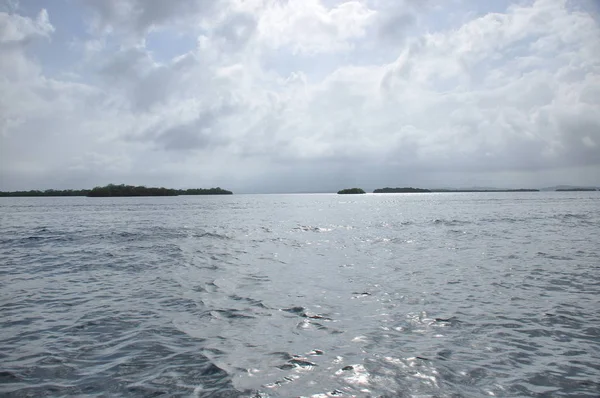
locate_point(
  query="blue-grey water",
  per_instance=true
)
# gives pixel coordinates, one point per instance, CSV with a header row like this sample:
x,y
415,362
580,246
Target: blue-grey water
x,y
397,295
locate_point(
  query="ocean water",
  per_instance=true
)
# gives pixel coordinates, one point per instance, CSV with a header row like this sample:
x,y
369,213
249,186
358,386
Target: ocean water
x,y
397,295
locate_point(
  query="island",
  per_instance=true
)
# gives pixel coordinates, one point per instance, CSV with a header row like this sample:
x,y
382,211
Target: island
x,y
571,188
48,192
401,190
112,190
576,189
351,191
482,190
130,190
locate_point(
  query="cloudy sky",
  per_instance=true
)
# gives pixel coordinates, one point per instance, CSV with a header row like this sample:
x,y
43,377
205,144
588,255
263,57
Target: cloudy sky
x,y
299,95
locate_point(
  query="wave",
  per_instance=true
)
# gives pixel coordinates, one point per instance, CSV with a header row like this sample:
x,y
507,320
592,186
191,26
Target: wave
x,y
308,228
451,223
569,216
128,300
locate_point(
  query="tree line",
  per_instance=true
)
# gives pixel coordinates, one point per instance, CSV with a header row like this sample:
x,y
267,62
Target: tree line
x,y
47,192
111,190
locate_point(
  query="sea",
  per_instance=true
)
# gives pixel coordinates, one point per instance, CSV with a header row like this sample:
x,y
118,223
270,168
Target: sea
x,y
303,295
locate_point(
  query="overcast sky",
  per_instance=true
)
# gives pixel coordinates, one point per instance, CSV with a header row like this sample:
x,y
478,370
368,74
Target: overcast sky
x,y
299,95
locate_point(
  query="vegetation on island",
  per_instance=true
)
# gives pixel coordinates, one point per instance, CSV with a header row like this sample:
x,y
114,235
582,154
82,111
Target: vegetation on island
x,y
130,190
351,191
401,190
111,190
48,192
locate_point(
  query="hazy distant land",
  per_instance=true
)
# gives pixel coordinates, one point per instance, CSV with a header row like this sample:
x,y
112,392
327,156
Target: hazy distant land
x,y
486,190
576,189
401,190
122,190
421,190
560,188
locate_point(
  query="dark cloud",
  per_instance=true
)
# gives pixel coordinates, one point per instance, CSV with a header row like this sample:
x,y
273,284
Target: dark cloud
x,y
200,133
127,65
146,84
393,28
185,137
236,30
137,17
581,140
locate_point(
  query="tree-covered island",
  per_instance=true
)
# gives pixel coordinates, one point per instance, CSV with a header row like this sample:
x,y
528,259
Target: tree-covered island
x,y
48,192
351,191
112,190
130,190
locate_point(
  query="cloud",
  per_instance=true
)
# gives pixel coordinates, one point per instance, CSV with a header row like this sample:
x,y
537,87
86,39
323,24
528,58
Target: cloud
x,y
15,28
201,132
135,18
235,30
393,27
308,27
16,34
355,93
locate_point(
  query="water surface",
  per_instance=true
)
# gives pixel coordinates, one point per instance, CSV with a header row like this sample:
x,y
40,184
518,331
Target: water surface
x,y
390,295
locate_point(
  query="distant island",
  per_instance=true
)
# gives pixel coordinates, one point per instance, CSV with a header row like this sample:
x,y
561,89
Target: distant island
x,y
485,190
48,192
571,188
576,189
474,190
351,191
112,190
130,190
401,190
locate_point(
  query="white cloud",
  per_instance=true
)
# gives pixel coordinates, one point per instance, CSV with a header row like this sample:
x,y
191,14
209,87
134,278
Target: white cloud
x,y
308,27
15,28
512,92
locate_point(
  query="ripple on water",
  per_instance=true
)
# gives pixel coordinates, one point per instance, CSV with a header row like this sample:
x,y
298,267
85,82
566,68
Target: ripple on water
x,y
282,296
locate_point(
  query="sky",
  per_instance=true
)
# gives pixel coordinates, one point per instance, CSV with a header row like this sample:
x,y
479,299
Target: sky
x,y
299,95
